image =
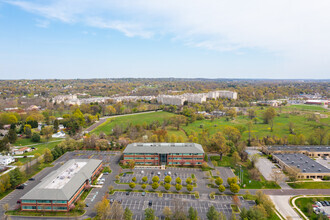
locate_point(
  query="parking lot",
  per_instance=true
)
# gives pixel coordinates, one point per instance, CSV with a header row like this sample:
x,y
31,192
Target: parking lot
x,y
105,156
138,203
225,173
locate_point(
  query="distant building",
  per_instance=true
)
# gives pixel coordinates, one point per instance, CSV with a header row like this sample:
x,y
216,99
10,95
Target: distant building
x,y
316,102
6,160
164,154
21,150
59,134
308,168
195,97
60,189
311,151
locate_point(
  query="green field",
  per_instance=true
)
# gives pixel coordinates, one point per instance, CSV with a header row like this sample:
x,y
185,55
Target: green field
x,y
305,205
27,141
281,123
310,185
107,126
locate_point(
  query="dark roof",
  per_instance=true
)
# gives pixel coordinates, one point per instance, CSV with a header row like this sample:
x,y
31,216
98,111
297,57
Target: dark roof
x,y
164,148
302,162
300,148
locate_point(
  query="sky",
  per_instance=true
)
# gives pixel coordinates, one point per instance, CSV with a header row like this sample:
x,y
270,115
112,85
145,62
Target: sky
x,y
63,39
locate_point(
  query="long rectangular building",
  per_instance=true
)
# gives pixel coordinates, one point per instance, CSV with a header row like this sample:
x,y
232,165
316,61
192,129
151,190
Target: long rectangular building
x,y
311,151
60,189
308,168
164,154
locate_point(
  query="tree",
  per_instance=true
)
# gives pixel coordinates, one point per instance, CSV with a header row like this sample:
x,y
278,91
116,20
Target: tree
x,y
128,215
80,205
132,185
178,180
190,187
16,177
167,186
12,136
178,187
236,157
269,116
234,188
155,185
232,134
221,188
149,214
48,156
47,131
155,179
212,214
143,186
116,211
178,120
188,181
145,179
192,214
110,189
35,137
167,212
218,181
277,176
27,130
56,125
131,164
134,179
168,179
218,142
232,180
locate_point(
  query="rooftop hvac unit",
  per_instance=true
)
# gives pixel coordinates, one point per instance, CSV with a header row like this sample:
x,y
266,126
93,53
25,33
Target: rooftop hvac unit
x,y
304,170
320,169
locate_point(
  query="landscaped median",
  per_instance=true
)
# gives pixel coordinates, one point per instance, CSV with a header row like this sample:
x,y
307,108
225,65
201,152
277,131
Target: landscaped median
x,y
310,185
303,205
74,213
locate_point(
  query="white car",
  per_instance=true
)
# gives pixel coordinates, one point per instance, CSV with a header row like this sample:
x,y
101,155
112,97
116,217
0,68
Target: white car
x,y
158,173
142,172
169,173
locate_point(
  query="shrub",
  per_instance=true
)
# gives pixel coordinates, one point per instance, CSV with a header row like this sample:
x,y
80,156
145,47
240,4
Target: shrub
x,y
35,137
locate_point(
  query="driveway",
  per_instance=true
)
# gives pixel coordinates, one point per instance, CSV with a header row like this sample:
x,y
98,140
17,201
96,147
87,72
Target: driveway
x,y
283,206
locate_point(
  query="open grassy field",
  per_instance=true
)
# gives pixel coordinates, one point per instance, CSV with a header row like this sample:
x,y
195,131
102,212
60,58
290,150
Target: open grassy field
x,y
227,161
27,141
281,123
305,205
310,185
107,126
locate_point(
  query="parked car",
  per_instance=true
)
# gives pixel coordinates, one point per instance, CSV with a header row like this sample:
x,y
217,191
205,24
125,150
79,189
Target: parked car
x,y
150,203
327,203
32,179
142,172
165,173
152,172
111,201
20,187
127,193
169,173
143,193
119,201
158,173
18,202
105,173
86,205
124,174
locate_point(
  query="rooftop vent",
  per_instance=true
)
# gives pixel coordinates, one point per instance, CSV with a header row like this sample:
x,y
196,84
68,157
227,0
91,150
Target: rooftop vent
x,y
304,170
298,166
319,169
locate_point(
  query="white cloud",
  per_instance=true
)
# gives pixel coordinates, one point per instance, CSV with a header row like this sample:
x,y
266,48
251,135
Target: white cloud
x,y
42,23
298,30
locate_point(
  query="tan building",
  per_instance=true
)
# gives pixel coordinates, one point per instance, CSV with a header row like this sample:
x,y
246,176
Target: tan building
x,y
307,168
311,151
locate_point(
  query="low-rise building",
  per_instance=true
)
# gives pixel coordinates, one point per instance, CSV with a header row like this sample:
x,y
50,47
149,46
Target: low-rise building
x,y
164,154
311,151
59,134
6,160
306,167
22,150
60,189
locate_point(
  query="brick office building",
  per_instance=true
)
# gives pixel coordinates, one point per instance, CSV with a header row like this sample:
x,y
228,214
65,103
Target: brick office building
x,y
156,154
60,189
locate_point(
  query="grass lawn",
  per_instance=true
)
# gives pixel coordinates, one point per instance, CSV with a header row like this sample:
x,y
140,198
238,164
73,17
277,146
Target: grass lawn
x,y
305,205
27,141
172,130
280,128
46,213
39,149
307,108
250,184
124,120
310,185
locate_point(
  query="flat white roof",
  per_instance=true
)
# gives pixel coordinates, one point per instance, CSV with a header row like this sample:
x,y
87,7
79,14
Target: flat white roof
x,y
64,177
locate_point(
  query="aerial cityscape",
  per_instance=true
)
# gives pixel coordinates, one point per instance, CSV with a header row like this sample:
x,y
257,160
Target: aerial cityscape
x,y
183,110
